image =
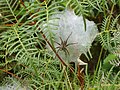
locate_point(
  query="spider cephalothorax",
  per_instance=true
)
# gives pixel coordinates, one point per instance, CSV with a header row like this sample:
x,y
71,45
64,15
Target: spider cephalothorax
x,y
62,46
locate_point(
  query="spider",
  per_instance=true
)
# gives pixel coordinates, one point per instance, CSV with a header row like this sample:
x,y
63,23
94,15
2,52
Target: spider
x,y
62,46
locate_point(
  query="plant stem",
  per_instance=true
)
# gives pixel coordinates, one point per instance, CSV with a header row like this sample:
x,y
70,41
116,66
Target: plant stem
x,y
62,61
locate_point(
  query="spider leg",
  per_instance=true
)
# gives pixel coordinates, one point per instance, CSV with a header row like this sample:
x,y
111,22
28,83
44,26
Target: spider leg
x,y
66,51
57,47
57,43
70,44
62,42
58,50
68,37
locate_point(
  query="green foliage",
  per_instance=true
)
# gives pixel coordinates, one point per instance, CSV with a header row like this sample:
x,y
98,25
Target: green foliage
x,y
106,64
103,80
23,45
109,37
23,52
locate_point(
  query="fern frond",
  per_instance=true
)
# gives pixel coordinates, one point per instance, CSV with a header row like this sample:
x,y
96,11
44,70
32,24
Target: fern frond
x,y
107,30
80,7
109,37
8,8
21,38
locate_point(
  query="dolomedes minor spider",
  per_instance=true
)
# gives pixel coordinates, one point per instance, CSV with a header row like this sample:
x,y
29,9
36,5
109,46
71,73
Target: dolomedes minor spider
x,y
62,46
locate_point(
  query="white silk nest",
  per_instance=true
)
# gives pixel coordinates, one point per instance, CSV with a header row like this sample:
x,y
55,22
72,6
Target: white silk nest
x,y
69,24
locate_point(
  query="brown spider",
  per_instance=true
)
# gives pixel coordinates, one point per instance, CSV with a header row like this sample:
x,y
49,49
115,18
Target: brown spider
x,y
63,45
